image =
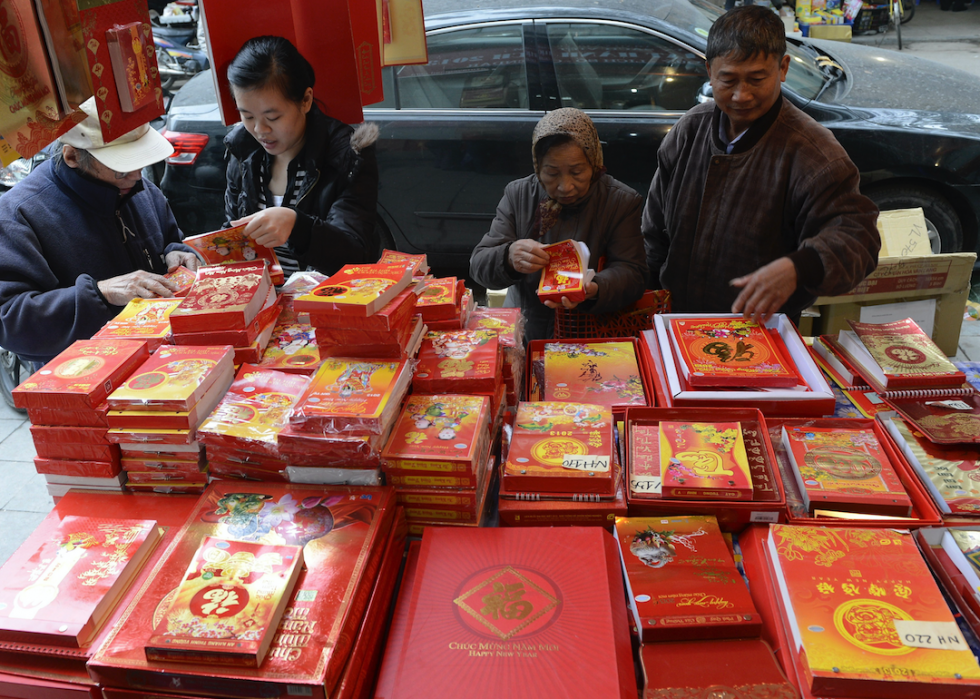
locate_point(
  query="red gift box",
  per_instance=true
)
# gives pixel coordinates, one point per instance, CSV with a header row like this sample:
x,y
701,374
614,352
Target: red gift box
x,y
81,377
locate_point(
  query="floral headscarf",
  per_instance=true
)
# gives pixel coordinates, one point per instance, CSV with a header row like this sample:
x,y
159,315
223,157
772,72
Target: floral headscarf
x,y
577,124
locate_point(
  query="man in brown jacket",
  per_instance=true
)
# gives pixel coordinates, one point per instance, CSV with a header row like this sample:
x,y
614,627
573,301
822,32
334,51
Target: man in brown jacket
x,y
754,207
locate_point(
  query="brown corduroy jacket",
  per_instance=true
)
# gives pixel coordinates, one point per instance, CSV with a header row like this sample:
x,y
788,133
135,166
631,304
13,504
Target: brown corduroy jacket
x,y
607,221
787,189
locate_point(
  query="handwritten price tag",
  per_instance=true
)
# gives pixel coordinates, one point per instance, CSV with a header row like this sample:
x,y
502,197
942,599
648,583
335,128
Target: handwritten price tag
x,y
646,484
951,404
938,635
577,462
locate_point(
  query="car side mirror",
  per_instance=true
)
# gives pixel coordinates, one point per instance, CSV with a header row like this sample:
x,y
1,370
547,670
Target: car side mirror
x,y
705,94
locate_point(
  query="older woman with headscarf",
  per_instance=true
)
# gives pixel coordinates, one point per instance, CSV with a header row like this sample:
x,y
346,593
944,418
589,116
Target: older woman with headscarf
x,y
570,197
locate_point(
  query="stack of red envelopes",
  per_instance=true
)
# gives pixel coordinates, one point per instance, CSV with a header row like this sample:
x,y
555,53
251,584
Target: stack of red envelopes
x,y
233,304
341,422
438,459
293,344
159,407
461,361
65,402
508,323
445,303
365,311
242,434
142,319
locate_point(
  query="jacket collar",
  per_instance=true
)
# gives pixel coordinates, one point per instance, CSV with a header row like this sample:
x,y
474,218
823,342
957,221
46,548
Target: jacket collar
x,y
98,196
754,133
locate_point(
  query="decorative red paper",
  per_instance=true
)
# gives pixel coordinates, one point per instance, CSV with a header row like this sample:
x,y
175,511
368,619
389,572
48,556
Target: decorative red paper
x,y
564,275
438,299
440,433
130,63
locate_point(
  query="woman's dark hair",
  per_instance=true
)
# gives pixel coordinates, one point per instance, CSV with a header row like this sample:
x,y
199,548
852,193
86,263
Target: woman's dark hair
x,y
271,60
542,147
743,32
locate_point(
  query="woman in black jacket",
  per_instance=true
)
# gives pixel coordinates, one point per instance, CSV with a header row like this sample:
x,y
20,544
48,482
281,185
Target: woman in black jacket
x,y
303,182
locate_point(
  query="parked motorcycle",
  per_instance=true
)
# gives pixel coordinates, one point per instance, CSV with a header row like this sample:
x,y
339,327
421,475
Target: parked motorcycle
x,y
180,54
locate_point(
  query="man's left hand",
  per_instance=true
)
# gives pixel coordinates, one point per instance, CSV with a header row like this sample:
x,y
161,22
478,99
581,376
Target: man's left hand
x,y
176,258
765,290
591,289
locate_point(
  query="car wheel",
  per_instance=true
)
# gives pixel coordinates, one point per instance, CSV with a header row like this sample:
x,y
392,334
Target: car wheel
x,y
11,370
941,218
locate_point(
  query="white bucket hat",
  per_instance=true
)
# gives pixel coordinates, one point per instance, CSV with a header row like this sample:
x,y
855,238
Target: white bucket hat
x,y
132,151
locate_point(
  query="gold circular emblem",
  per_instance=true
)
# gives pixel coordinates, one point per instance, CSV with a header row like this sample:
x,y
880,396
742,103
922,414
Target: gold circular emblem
x,y
869,625
552,451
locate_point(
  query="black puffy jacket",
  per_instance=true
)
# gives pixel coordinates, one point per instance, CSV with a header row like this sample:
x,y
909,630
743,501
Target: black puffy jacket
x,y
337,207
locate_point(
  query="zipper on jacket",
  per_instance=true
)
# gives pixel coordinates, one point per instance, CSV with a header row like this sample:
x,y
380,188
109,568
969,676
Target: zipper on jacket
x,y
127,233
308,189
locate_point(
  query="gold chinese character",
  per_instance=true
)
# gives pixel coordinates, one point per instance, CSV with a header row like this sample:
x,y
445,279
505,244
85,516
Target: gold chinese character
x,y
850,589
825,588
903,591
876,591
506,602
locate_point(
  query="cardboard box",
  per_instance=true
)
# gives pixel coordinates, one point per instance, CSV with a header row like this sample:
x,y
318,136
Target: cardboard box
x,y
837,32
945,278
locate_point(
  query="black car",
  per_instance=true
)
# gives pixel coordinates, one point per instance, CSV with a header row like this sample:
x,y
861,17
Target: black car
x,y
456,130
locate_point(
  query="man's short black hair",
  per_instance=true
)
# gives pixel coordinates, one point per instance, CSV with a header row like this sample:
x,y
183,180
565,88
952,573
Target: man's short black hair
x,y
744,32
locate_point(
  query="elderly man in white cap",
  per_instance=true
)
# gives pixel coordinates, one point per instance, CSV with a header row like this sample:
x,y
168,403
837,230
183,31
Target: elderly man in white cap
x,y
83,235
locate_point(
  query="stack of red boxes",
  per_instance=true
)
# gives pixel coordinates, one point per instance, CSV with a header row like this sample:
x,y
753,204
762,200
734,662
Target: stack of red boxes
x,y
141,319
293,344
462,362
166,399
233,304
508,323
438,459
65,402
445,303
341,423
241,435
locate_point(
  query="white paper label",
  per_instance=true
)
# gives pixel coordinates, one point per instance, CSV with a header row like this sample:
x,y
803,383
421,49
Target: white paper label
x,y
578,462
951,404
938,635
764,517
646,484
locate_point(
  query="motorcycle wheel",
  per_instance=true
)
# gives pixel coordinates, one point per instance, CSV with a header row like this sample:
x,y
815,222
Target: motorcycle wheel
x,y
11,370
908,10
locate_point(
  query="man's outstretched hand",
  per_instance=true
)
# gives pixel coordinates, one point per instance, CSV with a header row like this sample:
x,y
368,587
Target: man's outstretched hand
x,y
765,290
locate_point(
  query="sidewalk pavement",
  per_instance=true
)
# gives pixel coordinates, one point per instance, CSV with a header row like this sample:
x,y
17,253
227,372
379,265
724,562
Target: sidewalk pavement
x,y
950,38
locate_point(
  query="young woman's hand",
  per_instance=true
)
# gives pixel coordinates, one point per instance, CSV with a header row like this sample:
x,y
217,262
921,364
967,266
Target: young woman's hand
x,y
269,227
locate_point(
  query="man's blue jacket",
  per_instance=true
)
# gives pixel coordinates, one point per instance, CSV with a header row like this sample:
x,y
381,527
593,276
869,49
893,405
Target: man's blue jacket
x,y
60,234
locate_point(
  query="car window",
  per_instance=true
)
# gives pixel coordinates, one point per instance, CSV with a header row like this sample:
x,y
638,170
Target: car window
x,y
608,66
478,68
